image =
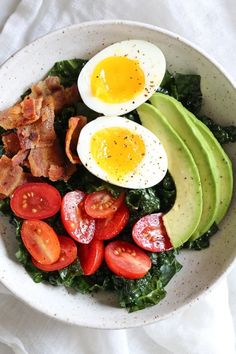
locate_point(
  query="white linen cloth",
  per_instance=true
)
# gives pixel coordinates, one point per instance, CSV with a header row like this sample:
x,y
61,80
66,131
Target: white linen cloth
x,y
207,327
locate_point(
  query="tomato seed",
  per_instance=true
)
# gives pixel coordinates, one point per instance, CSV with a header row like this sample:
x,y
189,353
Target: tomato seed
x,y
116,252
32,194
24,196
34,210
133,254
123,249
24,205
29,195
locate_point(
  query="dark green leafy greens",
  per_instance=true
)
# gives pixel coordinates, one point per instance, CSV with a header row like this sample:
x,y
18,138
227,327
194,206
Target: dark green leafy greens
x,y
224,134
185,88
203,241
67,70
149,290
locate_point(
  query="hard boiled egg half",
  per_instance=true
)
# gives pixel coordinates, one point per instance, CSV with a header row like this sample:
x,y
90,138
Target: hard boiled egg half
x,y
121,77
122,152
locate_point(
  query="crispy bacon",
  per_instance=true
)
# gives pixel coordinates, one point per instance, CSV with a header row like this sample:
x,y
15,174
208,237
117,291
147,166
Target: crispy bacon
x,y
11,176
26,112
50,162
40,133
46,87
61,96
75,125
20,157
11,143
53,83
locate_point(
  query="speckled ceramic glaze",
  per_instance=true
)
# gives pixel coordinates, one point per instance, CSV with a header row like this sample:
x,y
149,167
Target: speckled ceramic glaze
x,y
200,269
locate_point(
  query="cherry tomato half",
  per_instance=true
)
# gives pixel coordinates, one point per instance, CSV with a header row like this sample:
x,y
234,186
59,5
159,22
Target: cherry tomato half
x,y
127,260
35,201
41,241
77,223
91,256
149,233
67,256
102,204
112,226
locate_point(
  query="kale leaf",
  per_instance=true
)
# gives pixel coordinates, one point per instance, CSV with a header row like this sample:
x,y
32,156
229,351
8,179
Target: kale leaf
x,y
224,134
67,70
186,88
142,202
203,241
149,290
5,207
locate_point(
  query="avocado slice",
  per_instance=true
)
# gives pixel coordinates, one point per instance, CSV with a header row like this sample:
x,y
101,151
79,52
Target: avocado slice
x,y
183,218
224,177
177,116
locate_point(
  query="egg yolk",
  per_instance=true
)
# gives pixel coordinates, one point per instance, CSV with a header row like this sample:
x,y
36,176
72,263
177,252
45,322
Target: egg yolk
x,y
117,80
118,151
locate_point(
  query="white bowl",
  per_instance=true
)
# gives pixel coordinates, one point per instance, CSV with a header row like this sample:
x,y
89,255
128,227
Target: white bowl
x,y
200,269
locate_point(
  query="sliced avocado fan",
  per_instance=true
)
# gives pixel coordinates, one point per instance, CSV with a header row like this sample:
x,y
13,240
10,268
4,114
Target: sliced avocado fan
x,y
178,118
183,218
224,176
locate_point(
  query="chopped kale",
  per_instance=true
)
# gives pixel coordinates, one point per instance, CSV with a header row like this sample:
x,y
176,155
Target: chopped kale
x,y
67,70
5,207
149,290
224,134
83,110
203,241
142,202
185,88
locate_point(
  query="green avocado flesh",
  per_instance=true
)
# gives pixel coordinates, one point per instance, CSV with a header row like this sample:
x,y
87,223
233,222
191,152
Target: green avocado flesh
x,y
184,217
224,175
177,117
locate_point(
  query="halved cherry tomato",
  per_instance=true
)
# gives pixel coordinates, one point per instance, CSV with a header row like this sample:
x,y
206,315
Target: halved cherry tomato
x,y
127,260
41,241
102,204
77,223
149,233
67,256
112,226
35,201
91,256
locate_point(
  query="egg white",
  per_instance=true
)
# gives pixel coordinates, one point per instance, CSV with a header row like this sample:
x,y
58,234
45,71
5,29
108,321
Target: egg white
x,y
152,62
150,171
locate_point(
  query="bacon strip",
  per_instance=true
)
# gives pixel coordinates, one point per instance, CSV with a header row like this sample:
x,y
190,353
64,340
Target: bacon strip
x,y
11,144
62,97
40,133
11,176
20,157
26,112
49,162
75,125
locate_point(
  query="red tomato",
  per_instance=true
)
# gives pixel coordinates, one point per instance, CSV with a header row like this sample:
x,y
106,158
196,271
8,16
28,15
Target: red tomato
x,y
35,201
127,260
67,256
112,226
149,233
102,204
41,241
77,223
91,256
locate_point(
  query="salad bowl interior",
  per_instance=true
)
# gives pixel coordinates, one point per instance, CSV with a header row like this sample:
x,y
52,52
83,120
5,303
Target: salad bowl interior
x,y
200,270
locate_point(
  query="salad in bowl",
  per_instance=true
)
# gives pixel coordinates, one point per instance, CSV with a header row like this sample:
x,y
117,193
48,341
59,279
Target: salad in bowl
x,y
110,170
